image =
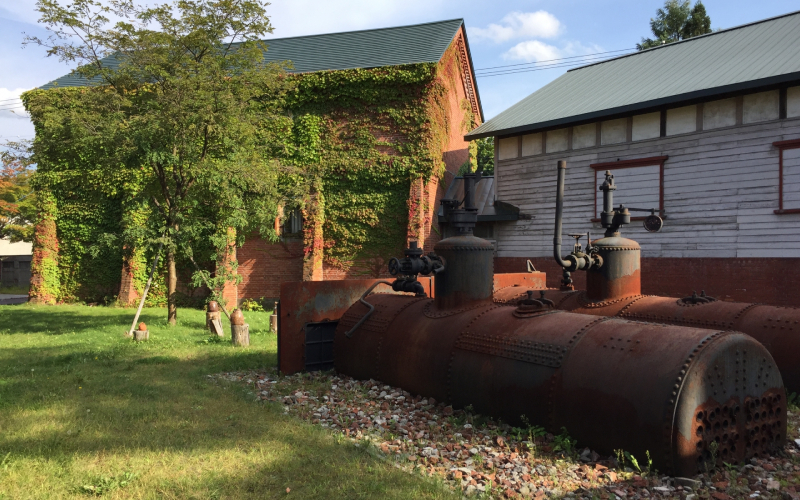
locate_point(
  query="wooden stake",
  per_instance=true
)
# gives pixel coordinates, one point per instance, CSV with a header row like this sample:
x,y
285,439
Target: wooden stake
x,y
146,289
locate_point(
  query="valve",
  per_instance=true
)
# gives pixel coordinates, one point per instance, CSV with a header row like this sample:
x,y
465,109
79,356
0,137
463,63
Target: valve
x,y
413,264
698,299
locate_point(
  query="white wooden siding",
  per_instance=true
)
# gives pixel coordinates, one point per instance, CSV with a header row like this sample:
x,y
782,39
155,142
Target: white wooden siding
x,y
638,186
791,178
720,191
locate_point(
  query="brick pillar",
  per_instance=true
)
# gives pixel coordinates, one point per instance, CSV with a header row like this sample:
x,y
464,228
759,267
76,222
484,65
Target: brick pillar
x,y
45,276
128,295
230,290
313,235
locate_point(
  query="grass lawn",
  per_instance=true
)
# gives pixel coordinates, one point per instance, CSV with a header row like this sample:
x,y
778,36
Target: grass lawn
x,y
84,411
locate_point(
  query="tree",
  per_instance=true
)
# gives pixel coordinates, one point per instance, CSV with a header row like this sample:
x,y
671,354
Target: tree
x,y
678,20
17,205
185,107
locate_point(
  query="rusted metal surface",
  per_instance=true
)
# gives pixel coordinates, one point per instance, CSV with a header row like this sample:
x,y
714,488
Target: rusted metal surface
x,y
536,279
620,274
303,302
468,274
613,383
776,328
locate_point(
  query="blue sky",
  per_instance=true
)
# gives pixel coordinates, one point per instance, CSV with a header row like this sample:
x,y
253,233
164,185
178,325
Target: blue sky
x,y
500,33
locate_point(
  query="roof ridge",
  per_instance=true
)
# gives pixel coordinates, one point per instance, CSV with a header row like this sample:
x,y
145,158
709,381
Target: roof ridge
x,y
692,39
365,30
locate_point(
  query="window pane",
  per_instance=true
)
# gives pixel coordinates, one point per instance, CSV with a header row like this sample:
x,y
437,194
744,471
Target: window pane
x,y
791,178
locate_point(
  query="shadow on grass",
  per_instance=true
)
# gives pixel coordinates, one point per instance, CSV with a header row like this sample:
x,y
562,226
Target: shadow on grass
x,y
59,320
128,403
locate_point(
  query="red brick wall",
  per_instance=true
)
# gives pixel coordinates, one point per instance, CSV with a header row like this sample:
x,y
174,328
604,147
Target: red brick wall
x,y
770,281
264,266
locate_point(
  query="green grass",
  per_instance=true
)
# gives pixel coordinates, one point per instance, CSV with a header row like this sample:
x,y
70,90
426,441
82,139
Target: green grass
x,y
84,411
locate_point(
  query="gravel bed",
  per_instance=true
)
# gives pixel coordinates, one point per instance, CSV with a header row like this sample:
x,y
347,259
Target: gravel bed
x,y
486,459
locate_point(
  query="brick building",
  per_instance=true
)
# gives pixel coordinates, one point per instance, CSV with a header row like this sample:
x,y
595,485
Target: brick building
x,y
707,129
437,50
264,265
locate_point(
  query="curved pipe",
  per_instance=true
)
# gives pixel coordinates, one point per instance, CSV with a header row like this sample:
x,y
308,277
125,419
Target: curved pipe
x,y
562,170
350,332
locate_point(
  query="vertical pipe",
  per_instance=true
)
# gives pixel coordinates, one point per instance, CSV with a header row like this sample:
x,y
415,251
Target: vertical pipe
x,y
562,170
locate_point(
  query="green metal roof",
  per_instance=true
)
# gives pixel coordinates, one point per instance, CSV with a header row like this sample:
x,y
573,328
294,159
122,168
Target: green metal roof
x,y
733,60
419,43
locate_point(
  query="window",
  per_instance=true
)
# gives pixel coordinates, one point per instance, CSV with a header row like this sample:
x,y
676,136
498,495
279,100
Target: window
x,y
788,176
639,184
292,223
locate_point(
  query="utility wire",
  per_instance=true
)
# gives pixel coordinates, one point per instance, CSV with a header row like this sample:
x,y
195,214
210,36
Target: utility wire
x,y
12,99
559,59
573,64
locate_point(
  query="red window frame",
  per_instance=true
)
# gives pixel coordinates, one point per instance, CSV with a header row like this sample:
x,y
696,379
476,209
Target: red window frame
x,y
782,146
638,162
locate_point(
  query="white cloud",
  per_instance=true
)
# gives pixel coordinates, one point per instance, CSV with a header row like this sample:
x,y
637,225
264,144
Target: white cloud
x,y
532,51
535,51
14,121
516,25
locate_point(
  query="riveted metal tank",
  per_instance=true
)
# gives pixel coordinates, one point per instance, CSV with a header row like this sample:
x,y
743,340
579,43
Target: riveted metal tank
x,y
776,328
619,276
612,383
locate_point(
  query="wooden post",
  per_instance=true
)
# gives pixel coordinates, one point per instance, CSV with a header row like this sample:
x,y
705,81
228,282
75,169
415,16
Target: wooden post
x,y
213,321
240,331
273,319
141,333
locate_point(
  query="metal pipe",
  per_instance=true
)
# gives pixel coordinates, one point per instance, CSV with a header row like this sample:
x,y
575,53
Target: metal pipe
x,y
562,170
350,332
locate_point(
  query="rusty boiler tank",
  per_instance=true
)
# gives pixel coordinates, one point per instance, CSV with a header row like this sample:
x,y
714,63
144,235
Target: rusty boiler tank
x,y
613,383
613,288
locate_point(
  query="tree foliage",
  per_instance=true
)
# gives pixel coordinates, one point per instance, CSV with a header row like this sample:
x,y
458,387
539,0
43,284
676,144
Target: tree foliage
x,y
17,200
184,109
678,20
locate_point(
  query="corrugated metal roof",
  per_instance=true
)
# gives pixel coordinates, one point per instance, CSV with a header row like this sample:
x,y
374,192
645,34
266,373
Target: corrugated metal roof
x,y
419,43
757,54
489,209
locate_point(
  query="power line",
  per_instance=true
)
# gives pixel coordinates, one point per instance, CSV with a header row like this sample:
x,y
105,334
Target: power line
x,y
572,64
553,60
12,99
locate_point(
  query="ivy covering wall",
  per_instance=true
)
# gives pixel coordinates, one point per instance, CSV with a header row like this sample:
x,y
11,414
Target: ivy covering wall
x,y
360,138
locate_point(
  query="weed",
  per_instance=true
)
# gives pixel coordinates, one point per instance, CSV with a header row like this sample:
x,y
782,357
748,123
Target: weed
x,y
252,305
564,442
793,402
102,485
710,465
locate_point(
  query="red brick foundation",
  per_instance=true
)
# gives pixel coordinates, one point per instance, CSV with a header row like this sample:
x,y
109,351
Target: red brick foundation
x,y
769,281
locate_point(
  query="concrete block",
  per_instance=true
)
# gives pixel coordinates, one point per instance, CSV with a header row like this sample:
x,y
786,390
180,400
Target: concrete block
x,y
509,148
532,144
646,126
614,131
682,120
793,102
761,107
584,136
557,140
718,114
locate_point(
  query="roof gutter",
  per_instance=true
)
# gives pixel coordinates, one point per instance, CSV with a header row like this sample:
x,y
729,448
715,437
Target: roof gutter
x,y
639,106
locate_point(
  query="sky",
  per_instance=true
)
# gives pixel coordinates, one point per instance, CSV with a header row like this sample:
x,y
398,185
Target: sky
x,y
500,33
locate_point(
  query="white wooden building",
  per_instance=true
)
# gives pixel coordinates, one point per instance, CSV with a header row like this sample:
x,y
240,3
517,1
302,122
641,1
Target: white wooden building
x,y
707,129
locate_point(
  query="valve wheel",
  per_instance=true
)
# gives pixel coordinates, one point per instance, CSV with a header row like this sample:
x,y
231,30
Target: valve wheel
x,y
394,266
